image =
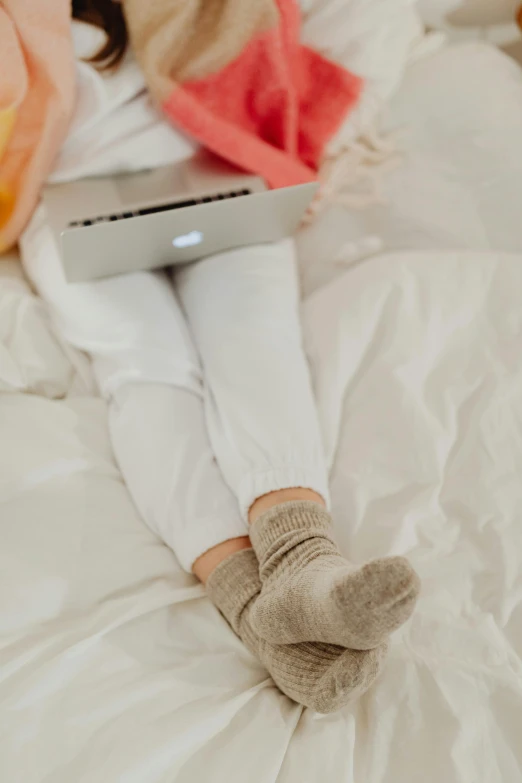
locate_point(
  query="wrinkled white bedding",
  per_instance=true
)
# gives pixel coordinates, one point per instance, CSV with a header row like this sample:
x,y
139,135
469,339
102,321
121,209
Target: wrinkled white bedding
x,y
114,667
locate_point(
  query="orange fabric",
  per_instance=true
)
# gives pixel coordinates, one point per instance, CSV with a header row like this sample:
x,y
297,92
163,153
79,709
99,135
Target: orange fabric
x,y
273,109
37,82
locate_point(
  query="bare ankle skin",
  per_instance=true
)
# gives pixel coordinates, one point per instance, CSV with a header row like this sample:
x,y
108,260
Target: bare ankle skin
x,y
208,561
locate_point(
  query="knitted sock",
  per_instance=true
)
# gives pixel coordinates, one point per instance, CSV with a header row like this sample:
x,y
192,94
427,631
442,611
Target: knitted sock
x,y
321,676
311,593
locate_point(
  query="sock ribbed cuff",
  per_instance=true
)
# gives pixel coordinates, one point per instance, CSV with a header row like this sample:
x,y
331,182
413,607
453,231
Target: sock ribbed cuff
x,y
273,527
233,584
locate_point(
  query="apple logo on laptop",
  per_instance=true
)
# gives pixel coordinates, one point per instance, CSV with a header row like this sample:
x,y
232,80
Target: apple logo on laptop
x,y
188,240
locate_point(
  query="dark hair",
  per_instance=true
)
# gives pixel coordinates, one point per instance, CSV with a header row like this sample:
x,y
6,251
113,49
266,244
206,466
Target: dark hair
x,y
108,16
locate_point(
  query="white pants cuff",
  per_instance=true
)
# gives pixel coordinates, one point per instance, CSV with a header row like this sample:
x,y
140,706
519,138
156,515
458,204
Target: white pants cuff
x,y
206,534
256,485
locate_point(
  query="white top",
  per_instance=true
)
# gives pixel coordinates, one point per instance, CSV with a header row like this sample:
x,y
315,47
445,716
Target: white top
x,y
115,126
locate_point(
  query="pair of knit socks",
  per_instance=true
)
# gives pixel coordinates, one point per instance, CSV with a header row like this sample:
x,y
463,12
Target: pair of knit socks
x,y
317,623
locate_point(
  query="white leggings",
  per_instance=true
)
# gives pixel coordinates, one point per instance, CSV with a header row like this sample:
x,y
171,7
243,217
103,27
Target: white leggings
x,y
199,433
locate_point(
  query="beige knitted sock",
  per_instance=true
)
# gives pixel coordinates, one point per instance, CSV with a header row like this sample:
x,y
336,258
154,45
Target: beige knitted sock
x,y
321,676
311,593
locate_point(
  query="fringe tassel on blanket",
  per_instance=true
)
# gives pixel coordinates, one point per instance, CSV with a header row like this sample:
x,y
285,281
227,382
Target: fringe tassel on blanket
x,y
353,177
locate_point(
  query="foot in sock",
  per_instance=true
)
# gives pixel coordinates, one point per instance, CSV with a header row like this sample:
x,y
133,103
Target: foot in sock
x,y
321,676
310,592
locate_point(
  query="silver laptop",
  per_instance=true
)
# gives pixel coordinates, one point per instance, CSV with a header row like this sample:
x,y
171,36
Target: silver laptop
x,y
165,216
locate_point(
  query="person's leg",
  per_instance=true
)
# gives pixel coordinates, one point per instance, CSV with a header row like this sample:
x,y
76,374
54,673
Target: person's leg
x,y
159,436
243,309
147,370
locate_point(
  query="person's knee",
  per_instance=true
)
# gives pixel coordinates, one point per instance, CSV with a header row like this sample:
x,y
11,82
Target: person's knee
x,y
119,375
247,287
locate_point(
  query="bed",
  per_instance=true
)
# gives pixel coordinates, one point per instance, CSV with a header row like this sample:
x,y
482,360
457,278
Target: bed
x,y
114,667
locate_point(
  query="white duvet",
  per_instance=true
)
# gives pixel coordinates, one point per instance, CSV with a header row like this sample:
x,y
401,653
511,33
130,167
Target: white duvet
x,y
114,668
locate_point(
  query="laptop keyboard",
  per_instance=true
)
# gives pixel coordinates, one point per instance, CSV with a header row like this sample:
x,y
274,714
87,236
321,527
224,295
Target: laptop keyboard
x,y
157,208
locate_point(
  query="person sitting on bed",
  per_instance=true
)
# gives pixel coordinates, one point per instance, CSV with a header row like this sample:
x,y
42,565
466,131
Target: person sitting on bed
x,y
215,428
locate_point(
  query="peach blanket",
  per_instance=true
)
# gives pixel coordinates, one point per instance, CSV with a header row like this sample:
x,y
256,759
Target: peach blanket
x,y
37,87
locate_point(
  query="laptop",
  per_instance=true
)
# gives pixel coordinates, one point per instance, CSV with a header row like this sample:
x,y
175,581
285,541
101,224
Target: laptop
x,y
165,216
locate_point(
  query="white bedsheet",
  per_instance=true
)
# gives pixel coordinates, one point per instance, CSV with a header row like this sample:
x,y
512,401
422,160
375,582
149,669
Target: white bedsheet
x,y
458,116
115,668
